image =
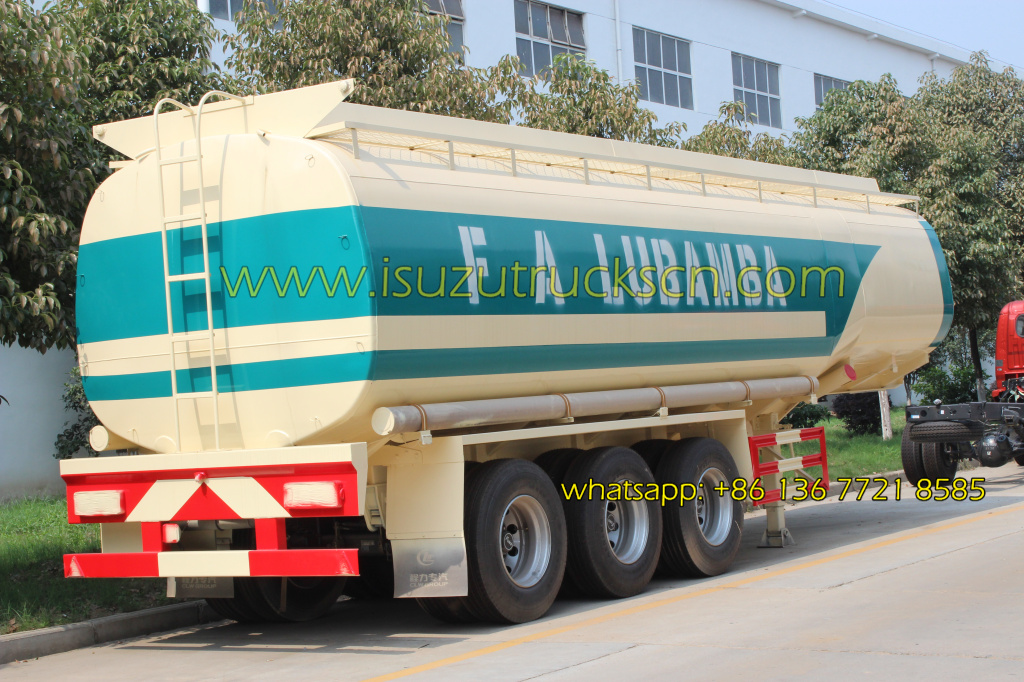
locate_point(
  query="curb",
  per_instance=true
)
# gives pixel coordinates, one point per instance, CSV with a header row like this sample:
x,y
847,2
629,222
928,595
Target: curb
x,y
20,646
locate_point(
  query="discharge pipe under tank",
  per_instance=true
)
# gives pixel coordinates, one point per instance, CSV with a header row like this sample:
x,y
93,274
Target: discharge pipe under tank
x,y
474,413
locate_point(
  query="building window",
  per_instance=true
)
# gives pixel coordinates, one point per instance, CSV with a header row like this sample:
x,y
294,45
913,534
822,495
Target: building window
x,y
757,86
543,33
822,84
456,24
663,68
225,9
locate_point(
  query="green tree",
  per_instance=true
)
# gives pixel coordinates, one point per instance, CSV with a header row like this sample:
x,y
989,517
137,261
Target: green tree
x,y
62,70
399,56
396,51
46,176
871,130
575,96
75,436
730,135
975,196
139,51
953,161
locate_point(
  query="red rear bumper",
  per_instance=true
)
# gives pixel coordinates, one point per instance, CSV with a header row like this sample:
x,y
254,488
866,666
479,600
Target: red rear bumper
x,y
143,502
276,563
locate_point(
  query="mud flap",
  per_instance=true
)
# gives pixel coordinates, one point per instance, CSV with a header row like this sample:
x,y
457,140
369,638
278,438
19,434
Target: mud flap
x,y
430,567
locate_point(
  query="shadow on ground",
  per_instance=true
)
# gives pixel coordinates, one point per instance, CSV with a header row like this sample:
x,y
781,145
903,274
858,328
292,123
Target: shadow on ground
x,y
396,627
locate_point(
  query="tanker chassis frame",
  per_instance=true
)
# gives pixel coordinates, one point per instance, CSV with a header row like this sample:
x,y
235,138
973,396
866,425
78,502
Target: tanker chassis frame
x,y
271,534
940,436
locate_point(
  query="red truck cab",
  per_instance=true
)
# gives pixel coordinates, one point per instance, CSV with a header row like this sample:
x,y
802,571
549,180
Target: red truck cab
x,y
1009,345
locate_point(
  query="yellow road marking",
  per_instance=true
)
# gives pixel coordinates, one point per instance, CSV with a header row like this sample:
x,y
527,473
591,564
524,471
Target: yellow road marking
x,y
640,608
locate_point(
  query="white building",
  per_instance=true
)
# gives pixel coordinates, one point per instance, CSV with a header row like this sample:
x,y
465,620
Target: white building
x,y
778,56
692,55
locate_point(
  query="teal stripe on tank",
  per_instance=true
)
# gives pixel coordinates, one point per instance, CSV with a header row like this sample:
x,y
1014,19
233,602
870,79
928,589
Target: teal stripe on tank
x,y
127,386
285,268
121,286
450,362
253,376
947,288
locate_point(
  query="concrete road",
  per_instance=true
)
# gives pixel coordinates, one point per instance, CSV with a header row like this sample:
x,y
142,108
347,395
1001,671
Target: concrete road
x,y
874,589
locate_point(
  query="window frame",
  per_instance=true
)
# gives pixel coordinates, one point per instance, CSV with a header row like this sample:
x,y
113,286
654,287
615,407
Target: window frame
x,y
819,87
530,44
442,10
770,78
645,66
238,4
227,5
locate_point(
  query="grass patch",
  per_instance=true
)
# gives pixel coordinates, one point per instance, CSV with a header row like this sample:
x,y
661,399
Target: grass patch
x,y
851,455
34,536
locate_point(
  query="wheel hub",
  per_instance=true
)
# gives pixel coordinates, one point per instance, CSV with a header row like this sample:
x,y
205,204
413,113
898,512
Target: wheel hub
x,y
714,512
628,526
524,538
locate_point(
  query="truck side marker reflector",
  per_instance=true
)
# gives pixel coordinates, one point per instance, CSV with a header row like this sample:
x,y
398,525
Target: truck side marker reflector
x,y
99,502
313,494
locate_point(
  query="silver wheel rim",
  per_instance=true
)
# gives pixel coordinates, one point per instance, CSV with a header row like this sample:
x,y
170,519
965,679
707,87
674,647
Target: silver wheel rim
x,y
524,538
714,511
627,526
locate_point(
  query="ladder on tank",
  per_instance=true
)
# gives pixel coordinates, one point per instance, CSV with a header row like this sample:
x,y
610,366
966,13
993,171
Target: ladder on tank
x,y
203,276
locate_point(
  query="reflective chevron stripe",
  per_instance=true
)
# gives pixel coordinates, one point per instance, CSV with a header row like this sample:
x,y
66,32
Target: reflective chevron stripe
x,y
243,496
264,484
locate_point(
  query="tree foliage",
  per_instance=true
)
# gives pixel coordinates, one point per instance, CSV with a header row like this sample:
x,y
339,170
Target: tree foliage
x,y
949,374
399,56
861,412
805,415
45,176
75,436
63,70
956,143
575,96
141,51
870,130
396,51
951,385
731,135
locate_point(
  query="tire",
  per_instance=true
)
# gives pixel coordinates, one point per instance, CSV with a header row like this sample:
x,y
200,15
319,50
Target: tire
x,y
946,432
234,608
1019,459
910,454
692,548
447,609
511,504
556,462
376,580
605,561
652,451
937,464
305,599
